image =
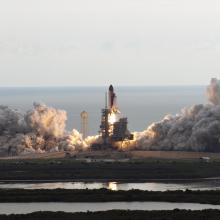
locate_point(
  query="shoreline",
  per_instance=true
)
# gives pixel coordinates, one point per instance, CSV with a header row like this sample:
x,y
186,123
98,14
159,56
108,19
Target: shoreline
x,y
104,195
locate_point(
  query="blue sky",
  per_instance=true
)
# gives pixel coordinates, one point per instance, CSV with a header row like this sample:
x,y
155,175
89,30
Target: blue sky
x,y
124,42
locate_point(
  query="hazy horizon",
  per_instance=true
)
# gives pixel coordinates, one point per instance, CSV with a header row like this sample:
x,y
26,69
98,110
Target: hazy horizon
x,y
97,86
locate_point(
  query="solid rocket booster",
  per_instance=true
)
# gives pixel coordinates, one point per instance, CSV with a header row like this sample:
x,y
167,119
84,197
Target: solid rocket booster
x,y
112,97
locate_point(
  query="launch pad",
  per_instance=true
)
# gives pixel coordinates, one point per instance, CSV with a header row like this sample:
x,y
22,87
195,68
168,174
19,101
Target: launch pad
x,y
113,128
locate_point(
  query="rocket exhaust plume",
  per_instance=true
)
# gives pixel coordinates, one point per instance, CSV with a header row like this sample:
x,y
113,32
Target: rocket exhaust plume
x,y
42,129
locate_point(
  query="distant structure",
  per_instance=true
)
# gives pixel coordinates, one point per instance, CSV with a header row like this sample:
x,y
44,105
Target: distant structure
x,y
84,123
113,128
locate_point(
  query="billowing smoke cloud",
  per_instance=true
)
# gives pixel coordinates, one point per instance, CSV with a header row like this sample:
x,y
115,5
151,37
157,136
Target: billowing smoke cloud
x,y
195,129
41,129
11,121
46,121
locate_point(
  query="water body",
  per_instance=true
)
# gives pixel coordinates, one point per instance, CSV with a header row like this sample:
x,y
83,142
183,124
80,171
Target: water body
x,y
150,186
142,105
24,208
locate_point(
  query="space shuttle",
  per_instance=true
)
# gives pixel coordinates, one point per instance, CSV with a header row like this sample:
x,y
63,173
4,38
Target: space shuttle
x,y
111,97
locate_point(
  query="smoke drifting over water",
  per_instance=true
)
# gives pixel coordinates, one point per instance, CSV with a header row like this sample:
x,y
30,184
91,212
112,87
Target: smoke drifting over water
x,y
194,129
42,129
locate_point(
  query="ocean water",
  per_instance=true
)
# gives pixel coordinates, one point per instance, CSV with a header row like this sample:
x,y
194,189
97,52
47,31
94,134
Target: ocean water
x,y
142,105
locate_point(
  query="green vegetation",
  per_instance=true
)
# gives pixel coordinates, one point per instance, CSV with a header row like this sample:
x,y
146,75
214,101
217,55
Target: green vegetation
x,y
104,195
120,215
69,169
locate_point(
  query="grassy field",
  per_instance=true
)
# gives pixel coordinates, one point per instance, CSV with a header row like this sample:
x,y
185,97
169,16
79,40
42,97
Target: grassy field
x,y
104,195
69,169
120,215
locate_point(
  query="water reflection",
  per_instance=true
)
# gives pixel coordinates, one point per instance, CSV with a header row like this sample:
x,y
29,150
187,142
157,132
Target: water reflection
x,y
150,186
24,208
113,186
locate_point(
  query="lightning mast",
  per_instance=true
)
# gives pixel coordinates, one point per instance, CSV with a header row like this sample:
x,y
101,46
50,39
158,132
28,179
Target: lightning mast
x,y
84,123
